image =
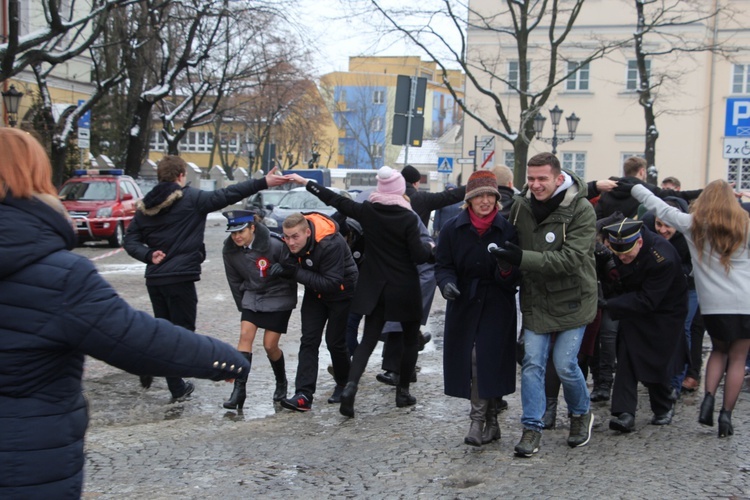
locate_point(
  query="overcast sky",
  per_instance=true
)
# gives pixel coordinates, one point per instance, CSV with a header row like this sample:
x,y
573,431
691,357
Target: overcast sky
x,y
338,38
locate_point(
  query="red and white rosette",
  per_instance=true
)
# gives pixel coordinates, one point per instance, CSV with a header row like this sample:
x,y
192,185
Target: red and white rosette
x,y
262,264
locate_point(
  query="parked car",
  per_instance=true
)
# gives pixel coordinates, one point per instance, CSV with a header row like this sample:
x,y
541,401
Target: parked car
x,y
298,200
101,203
263,201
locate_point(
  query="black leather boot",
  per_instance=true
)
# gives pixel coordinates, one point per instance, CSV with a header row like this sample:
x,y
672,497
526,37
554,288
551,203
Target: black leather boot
x,y
725,423
281,383
706,415
347,399
550,414
237,400
403,398
491,427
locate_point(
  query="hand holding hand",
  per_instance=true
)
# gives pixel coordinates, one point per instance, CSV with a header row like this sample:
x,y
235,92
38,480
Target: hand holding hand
x,y
274,178
282,271
450,291
605,185
623,186
508,253
298,179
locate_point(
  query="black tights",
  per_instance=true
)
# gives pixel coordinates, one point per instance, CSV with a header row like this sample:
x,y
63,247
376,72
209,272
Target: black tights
x,y
727,357
373,327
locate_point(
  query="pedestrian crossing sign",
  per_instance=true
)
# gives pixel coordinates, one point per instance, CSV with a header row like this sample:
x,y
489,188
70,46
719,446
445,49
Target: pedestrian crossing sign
x,y
445,165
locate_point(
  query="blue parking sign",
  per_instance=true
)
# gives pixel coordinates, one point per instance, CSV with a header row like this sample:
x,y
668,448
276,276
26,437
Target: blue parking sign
x,y
738,117
85,120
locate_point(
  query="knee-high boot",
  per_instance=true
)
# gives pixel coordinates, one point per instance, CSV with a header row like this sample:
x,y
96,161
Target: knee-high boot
x,y
477,416
491,427
237,400
279,372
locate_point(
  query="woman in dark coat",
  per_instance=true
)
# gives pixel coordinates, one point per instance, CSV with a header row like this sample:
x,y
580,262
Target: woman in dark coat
x,y
388,286
265,301
480,319
55,309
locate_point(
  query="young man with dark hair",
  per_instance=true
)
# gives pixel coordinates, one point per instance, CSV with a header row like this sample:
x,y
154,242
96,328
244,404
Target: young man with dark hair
x,y
167,234
556,230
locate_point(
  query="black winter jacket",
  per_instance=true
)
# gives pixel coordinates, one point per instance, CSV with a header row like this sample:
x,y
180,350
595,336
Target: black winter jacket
x,y
423,203
248,275
55,308
172,219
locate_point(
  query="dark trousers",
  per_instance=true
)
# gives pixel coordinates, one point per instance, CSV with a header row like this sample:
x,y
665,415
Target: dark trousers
x,y
393,348
373,327
178,304
625,390
315,313
697,330
605,352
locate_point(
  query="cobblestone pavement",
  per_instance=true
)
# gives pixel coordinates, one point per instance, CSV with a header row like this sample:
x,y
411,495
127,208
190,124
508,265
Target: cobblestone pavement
x,y
140,446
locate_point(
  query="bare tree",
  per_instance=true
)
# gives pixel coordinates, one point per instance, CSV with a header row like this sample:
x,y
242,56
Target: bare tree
x,y
533,28
662,34
69,31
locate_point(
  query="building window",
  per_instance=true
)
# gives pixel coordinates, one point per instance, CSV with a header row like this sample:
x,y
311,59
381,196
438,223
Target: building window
x,y
509,159
157,142
578,80
575,162
514,75
633,81
377,124
376,150
741,79
201,142
738,171
378,97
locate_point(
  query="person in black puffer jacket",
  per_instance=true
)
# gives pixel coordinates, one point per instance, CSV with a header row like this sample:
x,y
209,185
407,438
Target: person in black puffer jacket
x,y
56,309
167,234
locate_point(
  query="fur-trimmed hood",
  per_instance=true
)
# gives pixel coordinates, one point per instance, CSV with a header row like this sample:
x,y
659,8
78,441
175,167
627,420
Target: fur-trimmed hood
x,y
161,197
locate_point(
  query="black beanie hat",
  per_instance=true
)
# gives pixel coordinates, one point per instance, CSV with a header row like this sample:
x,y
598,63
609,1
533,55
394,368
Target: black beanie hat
x,y
411,174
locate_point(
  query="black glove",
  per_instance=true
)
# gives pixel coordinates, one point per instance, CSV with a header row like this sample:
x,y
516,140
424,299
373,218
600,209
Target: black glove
x,y
450,291
624,186
282,271
601,303
510,253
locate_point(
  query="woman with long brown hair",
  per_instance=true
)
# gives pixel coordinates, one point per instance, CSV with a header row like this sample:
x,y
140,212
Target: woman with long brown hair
x,y
716,230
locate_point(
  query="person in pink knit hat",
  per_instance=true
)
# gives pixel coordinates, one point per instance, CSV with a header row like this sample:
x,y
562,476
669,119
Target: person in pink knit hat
x,y
388,287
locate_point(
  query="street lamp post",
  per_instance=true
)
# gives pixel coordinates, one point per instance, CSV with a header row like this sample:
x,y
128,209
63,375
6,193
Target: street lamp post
x,y
11,100
555,114
250,147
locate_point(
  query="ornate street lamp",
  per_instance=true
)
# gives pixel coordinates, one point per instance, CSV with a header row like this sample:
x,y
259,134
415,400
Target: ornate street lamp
x,y
250,148
555,115
11,100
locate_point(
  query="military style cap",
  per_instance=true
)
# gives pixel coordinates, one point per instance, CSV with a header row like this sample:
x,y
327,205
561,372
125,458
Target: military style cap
x,y
623,235
237,220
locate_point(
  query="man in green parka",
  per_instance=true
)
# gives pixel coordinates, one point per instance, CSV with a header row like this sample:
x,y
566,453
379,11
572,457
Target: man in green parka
x,y
556,231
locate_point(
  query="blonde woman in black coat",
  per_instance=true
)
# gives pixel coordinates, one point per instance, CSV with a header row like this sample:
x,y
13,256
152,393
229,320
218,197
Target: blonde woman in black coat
x,y
388,287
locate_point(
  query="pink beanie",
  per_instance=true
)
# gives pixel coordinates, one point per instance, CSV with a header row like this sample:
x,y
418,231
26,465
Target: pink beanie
x,y
390,181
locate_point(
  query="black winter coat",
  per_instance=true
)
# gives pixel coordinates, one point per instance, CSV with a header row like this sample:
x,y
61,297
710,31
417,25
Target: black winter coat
x,y
249,280
393,247
652,310
485,313
325,267
423,202
172,219
55,308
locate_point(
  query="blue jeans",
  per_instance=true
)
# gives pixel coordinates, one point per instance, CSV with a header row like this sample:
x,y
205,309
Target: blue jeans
x,y
692,307
565,359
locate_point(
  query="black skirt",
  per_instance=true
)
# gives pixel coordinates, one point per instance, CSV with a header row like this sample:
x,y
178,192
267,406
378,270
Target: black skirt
x,y
727,327
276,321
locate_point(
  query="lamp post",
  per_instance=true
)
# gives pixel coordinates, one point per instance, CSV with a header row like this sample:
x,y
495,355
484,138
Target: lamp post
x,y
250,148
11,100
555,114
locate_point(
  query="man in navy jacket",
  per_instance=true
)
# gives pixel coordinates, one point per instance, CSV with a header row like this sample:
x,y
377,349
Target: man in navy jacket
x,y
167,234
